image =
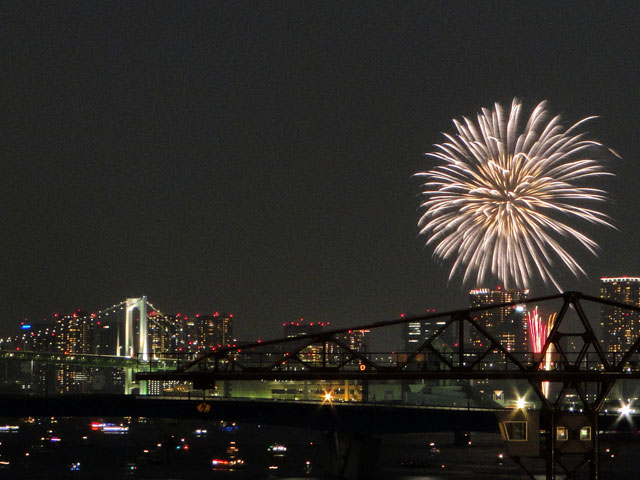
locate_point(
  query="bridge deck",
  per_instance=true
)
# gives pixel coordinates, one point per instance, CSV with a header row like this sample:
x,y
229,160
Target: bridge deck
x,y
348,417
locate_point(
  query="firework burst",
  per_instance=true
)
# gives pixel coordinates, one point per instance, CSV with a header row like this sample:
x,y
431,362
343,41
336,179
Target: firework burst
x,y
499,202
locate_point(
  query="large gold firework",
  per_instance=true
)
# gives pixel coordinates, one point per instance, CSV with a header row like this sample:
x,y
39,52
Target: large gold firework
x,y
500,200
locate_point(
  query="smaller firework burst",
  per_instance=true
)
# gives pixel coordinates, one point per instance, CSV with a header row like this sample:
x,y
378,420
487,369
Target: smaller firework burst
x,y
538,331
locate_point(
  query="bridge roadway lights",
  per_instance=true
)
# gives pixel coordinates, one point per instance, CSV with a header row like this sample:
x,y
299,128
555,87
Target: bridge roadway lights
x,y
350,456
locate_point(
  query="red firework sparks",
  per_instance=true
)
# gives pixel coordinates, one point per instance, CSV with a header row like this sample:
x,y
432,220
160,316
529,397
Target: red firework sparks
x,y
537,331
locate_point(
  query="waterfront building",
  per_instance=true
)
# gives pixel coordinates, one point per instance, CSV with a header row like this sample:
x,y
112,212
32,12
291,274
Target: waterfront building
x,y
75,334
619,326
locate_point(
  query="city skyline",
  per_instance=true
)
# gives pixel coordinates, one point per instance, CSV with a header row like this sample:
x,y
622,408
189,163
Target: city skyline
x,y
509,325
258,159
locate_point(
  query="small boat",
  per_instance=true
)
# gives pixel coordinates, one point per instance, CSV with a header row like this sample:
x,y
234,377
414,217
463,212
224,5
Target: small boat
x,y
231,461
277,449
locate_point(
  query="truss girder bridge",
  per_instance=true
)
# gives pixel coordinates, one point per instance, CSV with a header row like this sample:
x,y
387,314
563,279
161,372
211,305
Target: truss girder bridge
x,y
571,364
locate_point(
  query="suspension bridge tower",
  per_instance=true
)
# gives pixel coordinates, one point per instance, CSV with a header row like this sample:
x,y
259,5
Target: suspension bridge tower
x,y
130,350
133,304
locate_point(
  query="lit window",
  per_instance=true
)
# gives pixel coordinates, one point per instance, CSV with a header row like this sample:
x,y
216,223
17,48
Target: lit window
x,y
585,434
562,434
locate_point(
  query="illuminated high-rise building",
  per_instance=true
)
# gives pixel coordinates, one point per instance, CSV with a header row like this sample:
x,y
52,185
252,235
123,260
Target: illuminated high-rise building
x,y
166,333
619,326
184,332
215,330
356,340
75,333
106,337
507,324
300,327
415,333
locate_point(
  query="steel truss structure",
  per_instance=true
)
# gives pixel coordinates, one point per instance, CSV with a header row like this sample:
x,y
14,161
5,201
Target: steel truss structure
x,y
571,363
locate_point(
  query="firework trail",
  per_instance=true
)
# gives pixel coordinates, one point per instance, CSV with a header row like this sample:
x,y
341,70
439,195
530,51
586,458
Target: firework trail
x,y
499,201
538,333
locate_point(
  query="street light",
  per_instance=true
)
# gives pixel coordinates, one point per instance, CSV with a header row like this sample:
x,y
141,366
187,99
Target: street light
x,y
327,397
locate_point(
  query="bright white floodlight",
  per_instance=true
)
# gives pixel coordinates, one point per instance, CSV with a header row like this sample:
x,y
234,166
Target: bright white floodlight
x,y
625,410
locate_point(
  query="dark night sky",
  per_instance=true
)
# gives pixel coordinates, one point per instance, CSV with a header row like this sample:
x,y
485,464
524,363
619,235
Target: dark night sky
x,y
256,157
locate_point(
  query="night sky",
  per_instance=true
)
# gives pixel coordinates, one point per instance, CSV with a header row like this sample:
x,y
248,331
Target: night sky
x,y
257,157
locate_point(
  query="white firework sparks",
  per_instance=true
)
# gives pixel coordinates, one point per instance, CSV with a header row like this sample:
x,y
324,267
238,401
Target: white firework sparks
x,y
500,201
